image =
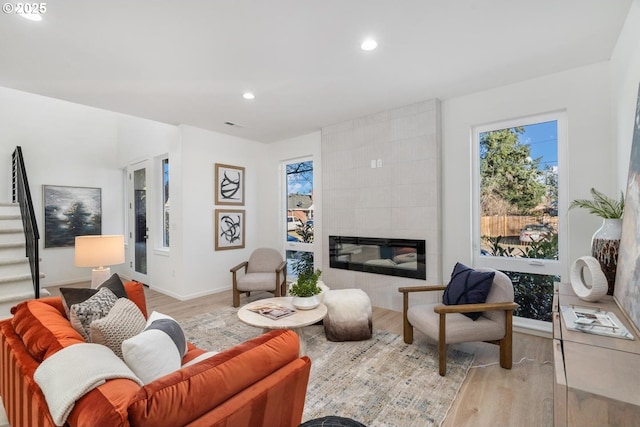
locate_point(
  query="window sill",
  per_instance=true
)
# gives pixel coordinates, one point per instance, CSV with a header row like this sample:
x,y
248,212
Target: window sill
x,y
161,251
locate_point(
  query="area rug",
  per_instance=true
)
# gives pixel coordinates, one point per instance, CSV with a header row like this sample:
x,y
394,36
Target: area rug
x,y
378,382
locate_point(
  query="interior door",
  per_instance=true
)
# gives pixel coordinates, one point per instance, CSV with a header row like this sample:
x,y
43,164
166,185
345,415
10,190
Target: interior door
x,y
138,230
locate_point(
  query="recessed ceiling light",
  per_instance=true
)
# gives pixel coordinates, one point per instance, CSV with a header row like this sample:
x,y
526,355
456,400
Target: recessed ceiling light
x,y
31,16
248,95
369,44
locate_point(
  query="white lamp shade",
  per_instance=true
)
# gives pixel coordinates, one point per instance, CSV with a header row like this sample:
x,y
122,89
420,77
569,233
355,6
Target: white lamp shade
x,y
98,251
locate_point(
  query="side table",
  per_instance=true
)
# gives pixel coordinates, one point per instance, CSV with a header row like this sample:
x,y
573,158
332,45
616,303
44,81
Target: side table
x,y
296,322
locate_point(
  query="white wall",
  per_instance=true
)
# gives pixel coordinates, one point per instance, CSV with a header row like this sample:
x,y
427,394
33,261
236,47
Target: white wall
x,y
63,144
584,93
625,78
195,267
74,145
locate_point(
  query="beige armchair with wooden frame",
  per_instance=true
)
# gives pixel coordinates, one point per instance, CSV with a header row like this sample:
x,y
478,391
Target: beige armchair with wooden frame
x,y
447,325
264,271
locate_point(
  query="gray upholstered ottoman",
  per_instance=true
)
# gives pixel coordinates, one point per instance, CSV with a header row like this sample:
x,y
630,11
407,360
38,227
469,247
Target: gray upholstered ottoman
x,y
348,315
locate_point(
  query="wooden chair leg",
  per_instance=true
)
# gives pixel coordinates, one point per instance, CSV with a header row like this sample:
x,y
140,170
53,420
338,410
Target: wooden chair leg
x,y
506,344
407,327
236,298
442,346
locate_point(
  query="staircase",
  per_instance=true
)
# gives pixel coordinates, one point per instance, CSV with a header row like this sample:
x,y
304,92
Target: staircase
x,y
15,274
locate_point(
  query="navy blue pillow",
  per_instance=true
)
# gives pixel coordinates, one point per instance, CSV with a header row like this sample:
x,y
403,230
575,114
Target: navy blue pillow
x,y
468,286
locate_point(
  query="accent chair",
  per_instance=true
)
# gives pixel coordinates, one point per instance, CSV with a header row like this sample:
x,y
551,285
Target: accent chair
x,y
447,324
264,271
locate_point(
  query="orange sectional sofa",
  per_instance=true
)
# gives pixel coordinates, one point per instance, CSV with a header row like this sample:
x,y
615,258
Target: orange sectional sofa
x,y
261,382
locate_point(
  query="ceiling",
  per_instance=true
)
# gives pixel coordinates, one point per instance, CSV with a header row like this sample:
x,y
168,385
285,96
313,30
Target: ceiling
x,y
188,62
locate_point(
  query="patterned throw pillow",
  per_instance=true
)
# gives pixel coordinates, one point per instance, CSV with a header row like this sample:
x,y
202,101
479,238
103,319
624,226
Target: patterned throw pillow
x,y
81,315
124,321
72,296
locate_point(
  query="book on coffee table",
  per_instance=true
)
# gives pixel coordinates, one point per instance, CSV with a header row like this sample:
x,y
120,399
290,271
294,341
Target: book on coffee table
x,y
273,311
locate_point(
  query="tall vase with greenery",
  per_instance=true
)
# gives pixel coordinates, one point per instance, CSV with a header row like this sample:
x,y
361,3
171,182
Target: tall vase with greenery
x,y
605,242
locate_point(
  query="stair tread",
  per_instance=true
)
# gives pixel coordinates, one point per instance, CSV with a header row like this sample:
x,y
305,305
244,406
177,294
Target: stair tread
x,y
12,245
18,277
10,261
23,296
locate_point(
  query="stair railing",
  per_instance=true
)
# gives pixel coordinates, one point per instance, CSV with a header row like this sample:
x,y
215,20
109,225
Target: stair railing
x,y
22,195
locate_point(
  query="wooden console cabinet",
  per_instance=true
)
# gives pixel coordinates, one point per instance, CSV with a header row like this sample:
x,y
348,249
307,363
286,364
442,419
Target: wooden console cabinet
x,y
597,378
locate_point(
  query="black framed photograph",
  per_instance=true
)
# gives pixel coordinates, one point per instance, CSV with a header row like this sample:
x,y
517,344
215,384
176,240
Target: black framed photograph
x,y
229,229
229,183
70,212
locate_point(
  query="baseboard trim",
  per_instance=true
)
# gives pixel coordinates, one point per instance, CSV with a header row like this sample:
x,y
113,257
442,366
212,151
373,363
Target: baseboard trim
x,y
190,296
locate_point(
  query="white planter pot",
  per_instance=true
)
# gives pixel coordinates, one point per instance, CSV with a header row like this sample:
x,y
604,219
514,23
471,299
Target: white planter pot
x,y
605,244
306,303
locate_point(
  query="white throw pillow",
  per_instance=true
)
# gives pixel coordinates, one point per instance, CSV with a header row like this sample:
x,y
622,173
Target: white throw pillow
x,y
156,351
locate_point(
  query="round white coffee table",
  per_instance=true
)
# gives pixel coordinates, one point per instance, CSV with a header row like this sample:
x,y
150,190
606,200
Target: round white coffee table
x,y
296,322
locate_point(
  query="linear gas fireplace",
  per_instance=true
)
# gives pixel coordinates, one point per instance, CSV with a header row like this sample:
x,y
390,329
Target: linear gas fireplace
x,y
394,257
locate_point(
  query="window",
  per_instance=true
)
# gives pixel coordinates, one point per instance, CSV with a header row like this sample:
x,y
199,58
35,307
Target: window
x,y
518,195
165,203
298,217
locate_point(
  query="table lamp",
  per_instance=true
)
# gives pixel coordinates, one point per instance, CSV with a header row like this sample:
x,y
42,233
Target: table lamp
x,y
99,251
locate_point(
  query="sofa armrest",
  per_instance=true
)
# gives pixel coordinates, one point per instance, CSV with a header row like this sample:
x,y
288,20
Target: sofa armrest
x,y
23,400
199,389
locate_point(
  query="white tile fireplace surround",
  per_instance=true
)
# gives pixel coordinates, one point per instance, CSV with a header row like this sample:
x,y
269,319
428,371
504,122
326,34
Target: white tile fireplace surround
x,y
381,178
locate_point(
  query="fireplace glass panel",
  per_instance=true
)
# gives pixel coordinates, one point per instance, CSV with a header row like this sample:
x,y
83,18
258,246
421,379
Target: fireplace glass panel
x,y
394,257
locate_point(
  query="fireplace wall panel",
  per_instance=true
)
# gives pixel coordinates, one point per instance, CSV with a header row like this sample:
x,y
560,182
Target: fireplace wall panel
x,y
398,198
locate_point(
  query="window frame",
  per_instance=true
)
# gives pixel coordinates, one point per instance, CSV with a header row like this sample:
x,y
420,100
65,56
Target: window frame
x,y
164,230
295,246
523,265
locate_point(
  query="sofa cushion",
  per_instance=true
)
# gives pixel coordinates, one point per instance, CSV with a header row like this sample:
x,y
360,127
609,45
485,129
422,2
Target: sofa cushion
x,y
156,351
468,286
43,328
82,314
72,296
124,321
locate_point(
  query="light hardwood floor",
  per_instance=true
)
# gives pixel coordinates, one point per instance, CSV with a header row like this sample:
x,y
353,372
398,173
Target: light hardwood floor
x,y
490,396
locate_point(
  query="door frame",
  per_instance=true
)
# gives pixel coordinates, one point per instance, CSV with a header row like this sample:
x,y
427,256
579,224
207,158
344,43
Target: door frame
x,y
131,219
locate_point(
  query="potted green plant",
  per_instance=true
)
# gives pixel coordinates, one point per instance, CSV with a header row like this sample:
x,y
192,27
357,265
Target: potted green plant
x,y
305,290
606,240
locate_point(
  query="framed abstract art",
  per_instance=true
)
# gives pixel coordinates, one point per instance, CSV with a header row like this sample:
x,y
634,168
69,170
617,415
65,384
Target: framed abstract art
x,y
229,183
229,229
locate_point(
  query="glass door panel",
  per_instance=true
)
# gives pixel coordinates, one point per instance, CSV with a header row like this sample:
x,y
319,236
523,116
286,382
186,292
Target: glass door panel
x,y
139,232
